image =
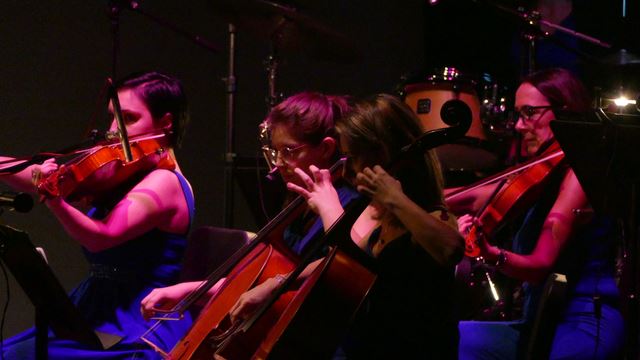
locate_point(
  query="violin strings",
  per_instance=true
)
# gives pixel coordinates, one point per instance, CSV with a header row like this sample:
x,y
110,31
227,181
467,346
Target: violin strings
x,y
504,175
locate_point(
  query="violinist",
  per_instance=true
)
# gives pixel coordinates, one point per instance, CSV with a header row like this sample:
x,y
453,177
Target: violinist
x,y
555,236
301,139
133,240
408,312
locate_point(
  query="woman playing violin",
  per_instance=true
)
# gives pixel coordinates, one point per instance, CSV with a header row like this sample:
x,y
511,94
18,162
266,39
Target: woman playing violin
x,y
409,310
554,237
134,240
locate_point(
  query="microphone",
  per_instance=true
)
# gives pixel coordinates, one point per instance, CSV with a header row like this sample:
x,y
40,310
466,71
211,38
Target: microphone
x,y
20,202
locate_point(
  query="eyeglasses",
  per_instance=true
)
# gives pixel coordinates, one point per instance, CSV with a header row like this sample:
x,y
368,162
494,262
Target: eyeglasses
x,y
527,112
287,153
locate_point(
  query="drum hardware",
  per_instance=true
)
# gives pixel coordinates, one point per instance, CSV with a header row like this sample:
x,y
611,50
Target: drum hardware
x,y
533,24
115,7
289,30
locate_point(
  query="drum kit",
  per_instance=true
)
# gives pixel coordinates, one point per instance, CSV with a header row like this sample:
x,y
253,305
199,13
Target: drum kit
x,y
476,154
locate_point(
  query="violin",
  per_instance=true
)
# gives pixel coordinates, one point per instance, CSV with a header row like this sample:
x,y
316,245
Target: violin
x,y
95,174
521,187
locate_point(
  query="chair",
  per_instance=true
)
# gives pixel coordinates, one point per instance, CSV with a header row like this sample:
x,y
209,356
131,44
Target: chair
x,y
551,304
209,247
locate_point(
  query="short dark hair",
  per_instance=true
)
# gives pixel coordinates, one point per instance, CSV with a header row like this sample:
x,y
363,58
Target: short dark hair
x,y
162,94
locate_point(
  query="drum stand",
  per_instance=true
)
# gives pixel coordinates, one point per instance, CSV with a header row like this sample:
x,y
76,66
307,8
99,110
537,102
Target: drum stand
x,y
532,21
271,66
230,81
230,155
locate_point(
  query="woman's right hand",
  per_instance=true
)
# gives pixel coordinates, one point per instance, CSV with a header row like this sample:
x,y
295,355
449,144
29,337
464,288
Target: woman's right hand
x,y
165,298
251,300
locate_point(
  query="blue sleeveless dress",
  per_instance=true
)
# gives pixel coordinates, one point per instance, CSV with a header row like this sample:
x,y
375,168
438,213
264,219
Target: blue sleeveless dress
x,y
588,328
109,298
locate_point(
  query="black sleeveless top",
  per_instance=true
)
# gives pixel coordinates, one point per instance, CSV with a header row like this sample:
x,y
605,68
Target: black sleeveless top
x,y
409,312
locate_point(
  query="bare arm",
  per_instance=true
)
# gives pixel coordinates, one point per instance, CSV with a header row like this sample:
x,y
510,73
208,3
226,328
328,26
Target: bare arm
x,y
24,180
251,300
440,239
152,203
167,297
462,201
558,227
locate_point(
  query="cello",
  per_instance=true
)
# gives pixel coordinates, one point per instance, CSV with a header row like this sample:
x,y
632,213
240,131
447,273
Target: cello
x,y
262,258
320,312
213,335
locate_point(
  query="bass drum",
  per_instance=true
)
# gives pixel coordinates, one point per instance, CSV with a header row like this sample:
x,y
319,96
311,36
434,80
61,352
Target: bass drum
x,y
475,155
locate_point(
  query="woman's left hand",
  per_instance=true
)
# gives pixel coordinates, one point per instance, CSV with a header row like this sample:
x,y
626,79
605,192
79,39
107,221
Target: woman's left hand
x,y
379,185
320,193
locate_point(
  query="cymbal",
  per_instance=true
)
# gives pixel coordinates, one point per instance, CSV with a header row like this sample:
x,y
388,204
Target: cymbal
x,y
289,30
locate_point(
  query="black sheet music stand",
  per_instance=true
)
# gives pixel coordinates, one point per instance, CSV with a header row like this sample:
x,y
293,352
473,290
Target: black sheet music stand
x,y
604,153
54,309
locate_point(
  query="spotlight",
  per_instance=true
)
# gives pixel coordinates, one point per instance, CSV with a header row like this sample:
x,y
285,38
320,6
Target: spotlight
x,y
622,101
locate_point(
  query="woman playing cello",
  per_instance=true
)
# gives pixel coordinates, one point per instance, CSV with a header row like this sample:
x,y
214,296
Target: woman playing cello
x,y
301,135
133,239
554,237
409,311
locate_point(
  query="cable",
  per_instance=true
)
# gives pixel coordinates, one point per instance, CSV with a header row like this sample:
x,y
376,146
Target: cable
x,y
4,310
261,191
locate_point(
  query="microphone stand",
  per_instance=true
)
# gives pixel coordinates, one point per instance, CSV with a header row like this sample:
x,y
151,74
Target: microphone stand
x,y
230,81
197,39
230,155
114,17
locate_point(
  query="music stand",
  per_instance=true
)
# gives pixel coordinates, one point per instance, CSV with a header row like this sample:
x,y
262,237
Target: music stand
x,y
603,153
53,307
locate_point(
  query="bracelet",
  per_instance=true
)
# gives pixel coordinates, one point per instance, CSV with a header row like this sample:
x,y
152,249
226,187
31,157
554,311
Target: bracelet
x,y
502,258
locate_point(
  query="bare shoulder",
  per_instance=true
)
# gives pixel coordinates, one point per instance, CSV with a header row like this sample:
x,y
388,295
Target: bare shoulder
x,y
570,195
159,183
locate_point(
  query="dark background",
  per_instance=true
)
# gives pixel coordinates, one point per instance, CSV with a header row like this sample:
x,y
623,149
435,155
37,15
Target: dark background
x,y
55,56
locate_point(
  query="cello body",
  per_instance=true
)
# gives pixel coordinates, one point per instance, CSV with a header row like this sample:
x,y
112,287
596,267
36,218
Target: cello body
x,y
316,317
263,262
264,257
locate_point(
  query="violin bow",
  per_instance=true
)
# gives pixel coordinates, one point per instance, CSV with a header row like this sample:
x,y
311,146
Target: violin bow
x,y
117,112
